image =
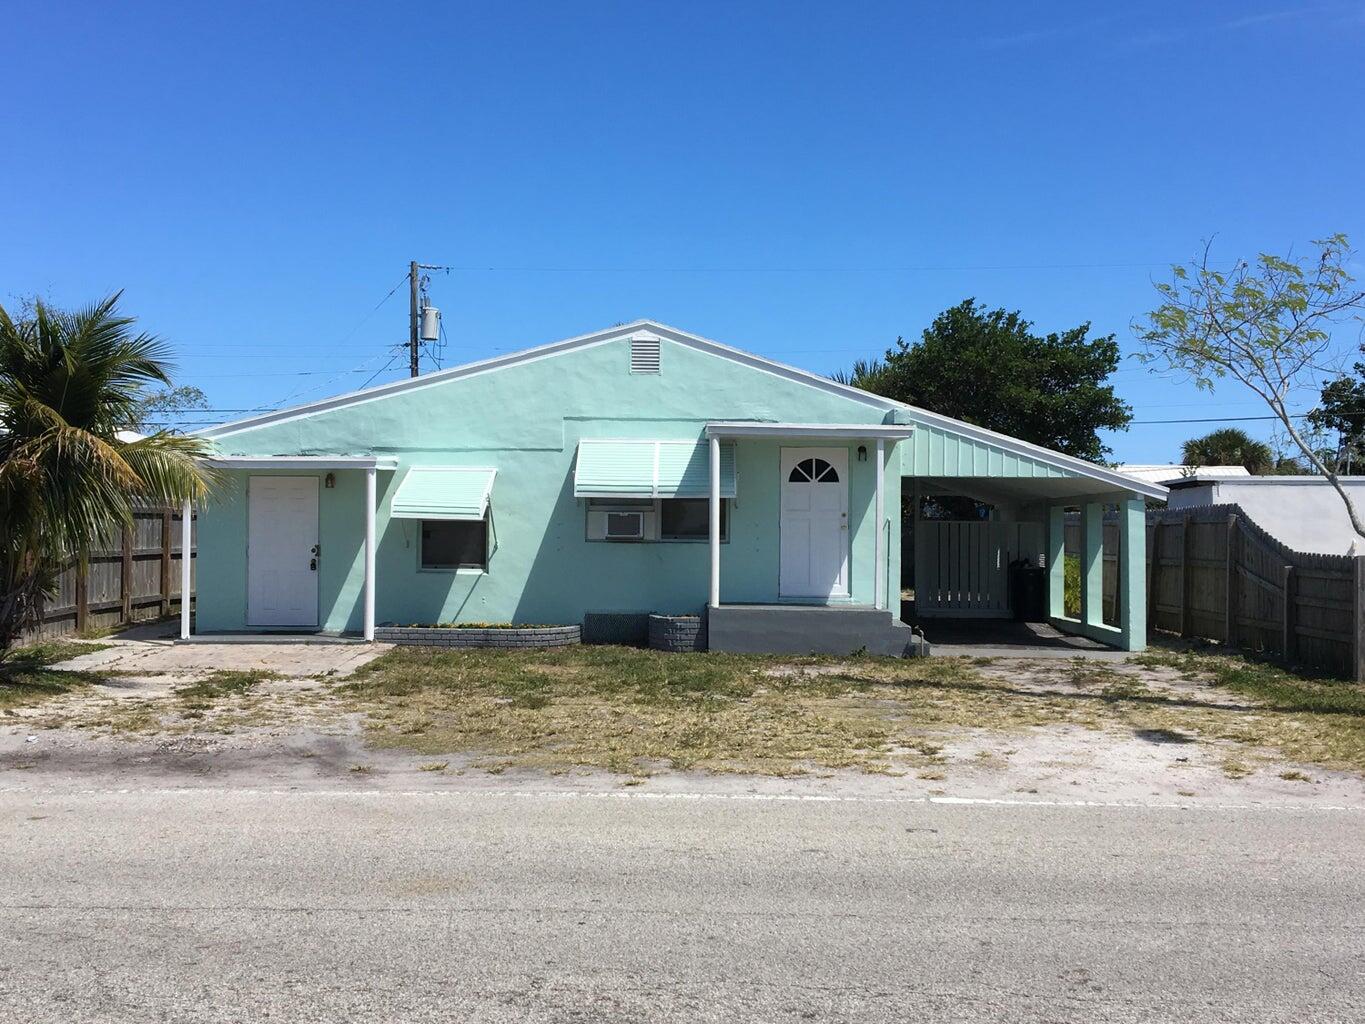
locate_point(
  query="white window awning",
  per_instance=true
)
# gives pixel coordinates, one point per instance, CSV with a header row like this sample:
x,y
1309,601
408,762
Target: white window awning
x,y
649,469
444,492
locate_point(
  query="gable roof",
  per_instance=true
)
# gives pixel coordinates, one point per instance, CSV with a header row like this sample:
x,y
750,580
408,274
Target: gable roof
x,y
1067,463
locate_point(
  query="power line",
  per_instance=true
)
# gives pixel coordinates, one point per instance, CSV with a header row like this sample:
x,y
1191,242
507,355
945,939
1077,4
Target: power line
x,y
910,269
1218,419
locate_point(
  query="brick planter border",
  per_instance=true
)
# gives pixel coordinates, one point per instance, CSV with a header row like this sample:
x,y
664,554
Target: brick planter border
x,y
677,633
457,636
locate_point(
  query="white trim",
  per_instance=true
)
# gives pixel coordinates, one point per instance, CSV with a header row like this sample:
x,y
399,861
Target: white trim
x,y
879,550
747,428
553,349
371,475
1241,481
673,334
714,515
384,462
1120,481
186,565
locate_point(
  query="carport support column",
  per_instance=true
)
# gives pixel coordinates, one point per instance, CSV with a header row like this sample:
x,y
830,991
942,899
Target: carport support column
x,y
715,522
879,573
1056,561
371,477
1092,563
186,565
1133,573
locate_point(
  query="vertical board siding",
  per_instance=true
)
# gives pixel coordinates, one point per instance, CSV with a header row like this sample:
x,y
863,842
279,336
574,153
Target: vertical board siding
x,y
936,452
962,568
1202,563
115,588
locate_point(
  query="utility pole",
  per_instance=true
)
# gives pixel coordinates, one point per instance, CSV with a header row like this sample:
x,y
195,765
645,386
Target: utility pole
x,y
424,319
412,319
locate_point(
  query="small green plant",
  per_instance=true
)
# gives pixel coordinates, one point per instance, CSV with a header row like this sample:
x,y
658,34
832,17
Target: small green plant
x,y
1071,585
224,684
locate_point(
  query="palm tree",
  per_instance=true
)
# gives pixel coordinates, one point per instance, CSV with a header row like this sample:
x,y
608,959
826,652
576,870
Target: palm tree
x,y
70,383
1229,447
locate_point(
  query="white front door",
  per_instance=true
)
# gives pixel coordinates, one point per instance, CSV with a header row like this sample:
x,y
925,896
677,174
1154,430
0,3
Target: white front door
x,y
814,526
282,551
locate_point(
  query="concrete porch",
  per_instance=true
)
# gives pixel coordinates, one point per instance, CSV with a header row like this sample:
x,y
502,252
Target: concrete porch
x,y
810,629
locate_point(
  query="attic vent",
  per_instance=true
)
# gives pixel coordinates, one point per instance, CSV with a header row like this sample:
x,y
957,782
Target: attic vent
x,y
644,354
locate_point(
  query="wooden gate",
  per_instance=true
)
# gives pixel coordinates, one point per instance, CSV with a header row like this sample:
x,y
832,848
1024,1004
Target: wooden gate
x,y
962,568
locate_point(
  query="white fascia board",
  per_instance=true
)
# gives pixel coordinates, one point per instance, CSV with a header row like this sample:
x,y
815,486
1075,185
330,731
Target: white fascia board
x,y
732,428
555,348
302,462
695,341
1118,480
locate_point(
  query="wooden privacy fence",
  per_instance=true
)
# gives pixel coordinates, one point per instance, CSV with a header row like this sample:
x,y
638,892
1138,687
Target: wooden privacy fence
x,y
962,568
1213,573
134,575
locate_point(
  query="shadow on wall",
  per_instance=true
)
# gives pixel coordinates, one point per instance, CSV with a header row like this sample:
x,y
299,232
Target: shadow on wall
x,y
569,575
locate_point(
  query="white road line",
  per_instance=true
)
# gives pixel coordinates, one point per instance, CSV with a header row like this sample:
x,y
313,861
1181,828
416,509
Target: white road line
x,y
957,801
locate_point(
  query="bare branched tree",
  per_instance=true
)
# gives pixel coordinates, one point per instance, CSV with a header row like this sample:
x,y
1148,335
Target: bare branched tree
x,y
1267,325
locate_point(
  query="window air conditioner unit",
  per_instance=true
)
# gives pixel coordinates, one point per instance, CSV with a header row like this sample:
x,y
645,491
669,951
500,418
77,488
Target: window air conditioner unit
x,y
625,525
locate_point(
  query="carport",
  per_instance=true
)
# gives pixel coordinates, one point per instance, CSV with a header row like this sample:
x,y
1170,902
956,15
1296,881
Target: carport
x,y
960,565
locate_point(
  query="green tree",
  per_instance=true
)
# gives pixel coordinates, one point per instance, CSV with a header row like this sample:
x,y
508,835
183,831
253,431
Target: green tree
x,y
168,405
990,368
69,382
1267,326
1229,447
1341,411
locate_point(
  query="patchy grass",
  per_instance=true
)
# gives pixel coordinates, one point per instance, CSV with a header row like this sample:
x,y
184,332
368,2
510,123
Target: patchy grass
x,y
224,684
1306,718
27,679
633,711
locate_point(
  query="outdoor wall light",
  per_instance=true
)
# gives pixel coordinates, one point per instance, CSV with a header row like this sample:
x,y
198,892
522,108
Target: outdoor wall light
x,y
329,481
862,453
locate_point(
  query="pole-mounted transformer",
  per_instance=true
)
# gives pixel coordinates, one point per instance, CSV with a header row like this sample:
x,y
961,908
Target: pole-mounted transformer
x,y
424,319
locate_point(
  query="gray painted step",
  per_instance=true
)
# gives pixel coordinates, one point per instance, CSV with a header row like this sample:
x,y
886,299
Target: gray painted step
x,y
798,629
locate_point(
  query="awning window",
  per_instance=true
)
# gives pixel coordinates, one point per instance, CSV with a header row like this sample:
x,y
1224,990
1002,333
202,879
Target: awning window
x,y
444,492
650,469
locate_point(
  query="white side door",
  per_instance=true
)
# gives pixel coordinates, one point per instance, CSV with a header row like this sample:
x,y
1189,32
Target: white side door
x,y
813,560
282,551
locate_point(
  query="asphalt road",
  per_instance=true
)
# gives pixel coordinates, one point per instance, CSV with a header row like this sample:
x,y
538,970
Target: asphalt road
x,y
218,905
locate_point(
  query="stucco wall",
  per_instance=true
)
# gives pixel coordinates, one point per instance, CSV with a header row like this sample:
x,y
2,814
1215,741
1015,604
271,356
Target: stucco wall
x,y
526,421
1302,512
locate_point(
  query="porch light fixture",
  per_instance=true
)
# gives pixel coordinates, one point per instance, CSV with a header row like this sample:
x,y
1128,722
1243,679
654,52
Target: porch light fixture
x,y
329,481
862,453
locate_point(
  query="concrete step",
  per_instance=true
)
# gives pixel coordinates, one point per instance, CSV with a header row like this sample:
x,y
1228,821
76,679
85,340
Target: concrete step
x,y
806,629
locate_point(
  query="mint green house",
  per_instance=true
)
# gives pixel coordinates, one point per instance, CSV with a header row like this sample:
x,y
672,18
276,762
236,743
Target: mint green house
x,y
634,470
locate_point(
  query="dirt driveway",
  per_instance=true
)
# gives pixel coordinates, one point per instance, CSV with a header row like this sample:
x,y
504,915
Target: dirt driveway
x,y
1168,727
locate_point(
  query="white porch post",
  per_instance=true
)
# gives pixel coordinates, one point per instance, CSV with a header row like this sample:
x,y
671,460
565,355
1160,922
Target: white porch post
x,y
879,573
371,475
186,566
715,522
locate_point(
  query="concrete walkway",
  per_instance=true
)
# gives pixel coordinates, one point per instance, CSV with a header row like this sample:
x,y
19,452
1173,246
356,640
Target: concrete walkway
x,y
1005,638
153,649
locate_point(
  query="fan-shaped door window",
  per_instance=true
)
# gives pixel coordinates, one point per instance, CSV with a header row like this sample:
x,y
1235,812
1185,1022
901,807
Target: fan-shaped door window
x,y
813,471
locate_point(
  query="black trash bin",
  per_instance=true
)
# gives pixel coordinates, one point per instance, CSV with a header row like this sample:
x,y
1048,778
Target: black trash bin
x,y
1028,591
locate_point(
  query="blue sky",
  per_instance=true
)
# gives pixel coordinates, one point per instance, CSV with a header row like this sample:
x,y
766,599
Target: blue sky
x,y
806,181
